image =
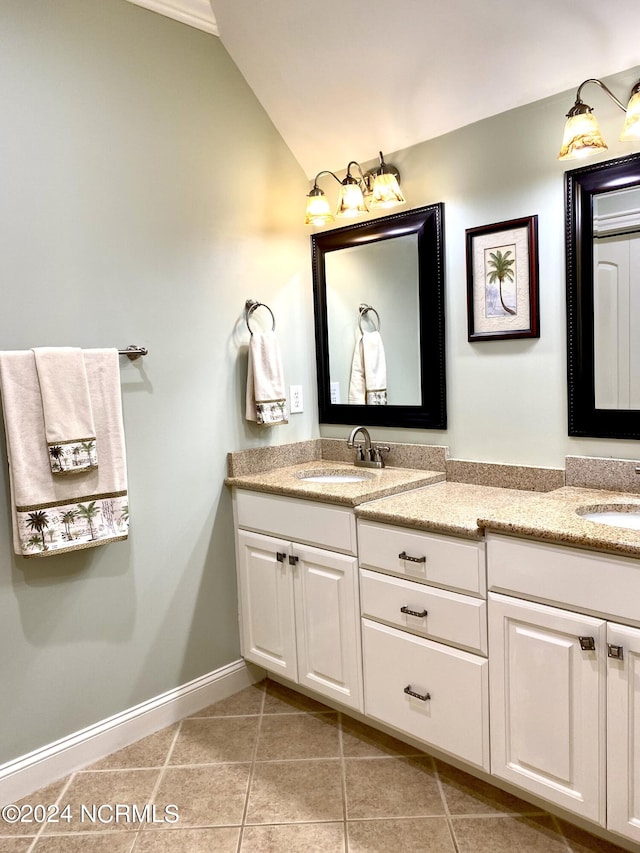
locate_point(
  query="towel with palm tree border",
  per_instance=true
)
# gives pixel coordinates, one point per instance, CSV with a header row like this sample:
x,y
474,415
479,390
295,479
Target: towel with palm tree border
x,y
58,527
74,456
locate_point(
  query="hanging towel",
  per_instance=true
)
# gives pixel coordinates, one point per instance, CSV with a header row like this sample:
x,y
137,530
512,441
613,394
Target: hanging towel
x,y
54,514
266,403
66,408
368,384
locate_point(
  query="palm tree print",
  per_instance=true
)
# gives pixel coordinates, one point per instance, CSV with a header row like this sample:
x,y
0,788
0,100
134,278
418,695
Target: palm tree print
x,y
38,521
502,269
88,447
67,519
35,542
124,514
57,454
88,512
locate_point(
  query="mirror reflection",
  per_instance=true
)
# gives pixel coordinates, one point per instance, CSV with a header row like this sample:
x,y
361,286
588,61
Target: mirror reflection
x,y
616,303
384,276
379,310
603,298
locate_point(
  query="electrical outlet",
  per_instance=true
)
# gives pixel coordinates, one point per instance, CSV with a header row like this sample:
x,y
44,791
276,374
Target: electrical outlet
x,y
295,399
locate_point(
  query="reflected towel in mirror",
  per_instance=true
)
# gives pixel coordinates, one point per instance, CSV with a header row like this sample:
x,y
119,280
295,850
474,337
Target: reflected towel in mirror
x,y
368,383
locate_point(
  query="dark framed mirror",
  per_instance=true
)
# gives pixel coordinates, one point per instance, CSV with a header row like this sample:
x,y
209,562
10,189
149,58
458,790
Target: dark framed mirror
x,y
385,275
602,209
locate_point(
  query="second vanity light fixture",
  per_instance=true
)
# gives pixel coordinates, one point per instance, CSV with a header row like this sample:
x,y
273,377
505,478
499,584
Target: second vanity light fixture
x,y
582,135
380,187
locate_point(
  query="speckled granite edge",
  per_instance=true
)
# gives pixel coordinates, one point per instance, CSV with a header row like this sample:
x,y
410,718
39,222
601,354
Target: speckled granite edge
x,y
591,472
258,459
427,457
523,477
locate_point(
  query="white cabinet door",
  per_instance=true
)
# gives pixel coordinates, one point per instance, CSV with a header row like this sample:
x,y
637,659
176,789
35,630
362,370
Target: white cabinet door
x,y
623,731
267,603
328,621
547,699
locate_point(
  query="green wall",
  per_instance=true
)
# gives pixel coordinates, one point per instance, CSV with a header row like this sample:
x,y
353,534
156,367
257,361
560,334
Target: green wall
x,y
137,175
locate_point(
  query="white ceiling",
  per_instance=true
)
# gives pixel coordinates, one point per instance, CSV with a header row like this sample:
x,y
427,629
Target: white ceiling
x,y
342,79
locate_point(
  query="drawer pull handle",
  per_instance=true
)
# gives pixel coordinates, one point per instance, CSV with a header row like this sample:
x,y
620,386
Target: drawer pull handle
x,y
419,613
280,557
423,697
615,652
293,560
587,644
404,556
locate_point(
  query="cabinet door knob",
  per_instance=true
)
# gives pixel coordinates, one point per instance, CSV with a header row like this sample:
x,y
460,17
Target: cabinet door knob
x,y
615,651
423,697
587,644
404,556
419,613
280,557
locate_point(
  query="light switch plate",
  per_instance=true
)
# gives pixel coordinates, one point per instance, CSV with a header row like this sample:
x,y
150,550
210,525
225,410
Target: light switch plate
x,y
295,399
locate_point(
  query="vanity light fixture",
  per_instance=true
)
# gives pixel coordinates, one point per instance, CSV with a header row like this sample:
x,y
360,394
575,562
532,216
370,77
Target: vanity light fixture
x,y
380,186
582,135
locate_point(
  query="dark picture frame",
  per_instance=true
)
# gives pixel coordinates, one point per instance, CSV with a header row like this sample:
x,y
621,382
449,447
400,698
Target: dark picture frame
x,y
502,280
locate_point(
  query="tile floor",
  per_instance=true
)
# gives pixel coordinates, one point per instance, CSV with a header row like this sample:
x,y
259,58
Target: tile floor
x,y
270,771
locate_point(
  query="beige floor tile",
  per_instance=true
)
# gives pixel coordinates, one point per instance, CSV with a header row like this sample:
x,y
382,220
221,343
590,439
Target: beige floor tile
x,y
279,699
507,835
150,751
466,795
46,797
391,787
412,835
294,838
221,840
361,741
244,703
109,842
583,842
215,739
15,845
290,791
106,788
205,796
298,736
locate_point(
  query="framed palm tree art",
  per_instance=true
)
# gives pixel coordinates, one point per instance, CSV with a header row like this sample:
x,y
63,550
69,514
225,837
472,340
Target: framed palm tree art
x,y
502,280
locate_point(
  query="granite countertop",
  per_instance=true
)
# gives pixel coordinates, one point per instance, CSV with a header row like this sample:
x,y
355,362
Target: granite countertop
x,y
459,509
378,482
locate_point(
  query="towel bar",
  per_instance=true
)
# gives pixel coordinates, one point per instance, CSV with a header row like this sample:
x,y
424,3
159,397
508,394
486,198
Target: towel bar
x,y
133,351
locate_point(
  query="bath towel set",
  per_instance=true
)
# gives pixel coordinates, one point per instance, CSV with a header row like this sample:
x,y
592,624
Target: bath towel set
x,y
266,402
62,407
368,382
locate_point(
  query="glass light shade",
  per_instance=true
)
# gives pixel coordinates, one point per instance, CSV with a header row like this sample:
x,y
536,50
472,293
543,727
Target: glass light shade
x,y
318,210
582,137
351,201
631,129
386,191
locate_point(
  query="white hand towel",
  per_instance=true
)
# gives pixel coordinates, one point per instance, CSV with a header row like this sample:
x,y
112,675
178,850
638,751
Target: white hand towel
x,y
368,383
266,402
68,419
55,514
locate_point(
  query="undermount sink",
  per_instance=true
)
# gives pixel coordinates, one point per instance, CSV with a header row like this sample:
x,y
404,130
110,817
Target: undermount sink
x,y
625,515
333,476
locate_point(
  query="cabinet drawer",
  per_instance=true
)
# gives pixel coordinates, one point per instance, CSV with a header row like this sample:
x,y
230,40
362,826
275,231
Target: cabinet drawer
x,y
309,522
448,616
440,560
454,718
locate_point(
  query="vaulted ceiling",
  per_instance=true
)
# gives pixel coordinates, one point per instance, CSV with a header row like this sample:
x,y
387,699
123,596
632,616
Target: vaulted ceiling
x,y
342,79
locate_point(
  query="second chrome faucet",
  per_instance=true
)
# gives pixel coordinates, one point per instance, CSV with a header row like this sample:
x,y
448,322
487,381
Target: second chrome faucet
x,y
367,455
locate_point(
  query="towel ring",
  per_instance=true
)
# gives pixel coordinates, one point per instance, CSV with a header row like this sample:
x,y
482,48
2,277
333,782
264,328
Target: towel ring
x,y
364,309
250,307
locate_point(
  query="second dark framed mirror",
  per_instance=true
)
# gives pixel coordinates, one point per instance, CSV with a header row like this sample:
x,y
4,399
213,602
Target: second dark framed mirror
x,y
394,266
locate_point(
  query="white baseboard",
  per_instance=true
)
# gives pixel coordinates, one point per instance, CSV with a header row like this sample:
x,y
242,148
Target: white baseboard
x,y
33,771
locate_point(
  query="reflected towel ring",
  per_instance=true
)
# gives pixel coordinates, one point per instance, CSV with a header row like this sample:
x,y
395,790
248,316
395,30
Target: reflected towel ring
x,y
250,306
364,309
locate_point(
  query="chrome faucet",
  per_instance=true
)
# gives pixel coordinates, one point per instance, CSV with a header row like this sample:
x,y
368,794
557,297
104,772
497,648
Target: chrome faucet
x,y
367,455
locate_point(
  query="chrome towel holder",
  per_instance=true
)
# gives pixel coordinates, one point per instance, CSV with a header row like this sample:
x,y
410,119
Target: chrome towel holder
x,y
364,309
133,351
252,305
